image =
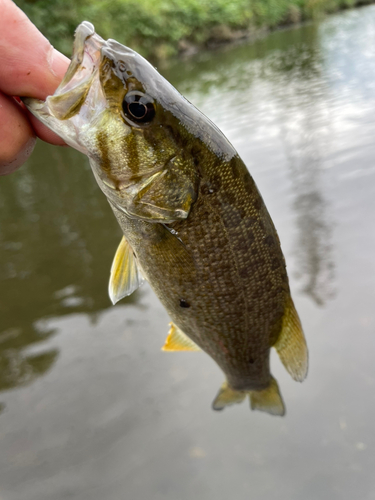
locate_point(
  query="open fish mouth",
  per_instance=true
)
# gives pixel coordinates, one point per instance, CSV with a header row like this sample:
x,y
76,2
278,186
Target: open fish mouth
x,y
70,108
75,85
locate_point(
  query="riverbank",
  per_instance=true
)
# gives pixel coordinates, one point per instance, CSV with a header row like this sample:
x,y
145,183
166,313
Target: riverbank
x,y
163,29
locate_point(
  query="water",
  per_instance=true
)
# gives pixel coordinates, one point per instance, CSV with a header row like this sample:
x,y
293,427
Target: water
x,y
89,406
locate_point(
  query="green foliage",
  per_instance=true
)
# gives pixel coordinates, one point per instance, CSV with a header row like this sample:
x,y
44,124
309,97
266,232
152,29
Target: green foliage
x,y
157,28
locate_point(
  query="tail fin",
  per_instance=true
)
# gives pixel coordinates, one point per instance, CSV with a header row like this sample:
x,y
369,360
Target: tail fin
x,y
268,400
227,396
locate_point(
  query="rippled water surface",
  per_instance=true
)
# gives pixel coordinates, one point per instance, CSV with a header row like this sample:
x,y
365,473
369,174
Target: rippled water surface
x,y
91,409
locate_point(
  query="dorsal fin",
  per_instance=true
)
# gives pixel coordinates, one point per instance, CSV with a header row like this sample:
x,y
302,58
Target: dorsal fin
x,y
291,344
178,341
125,276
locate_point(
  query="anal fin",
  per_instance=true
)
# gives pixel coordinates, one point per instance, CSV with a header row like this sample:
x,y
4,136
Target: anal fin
x,y
291,344
125,276
178,341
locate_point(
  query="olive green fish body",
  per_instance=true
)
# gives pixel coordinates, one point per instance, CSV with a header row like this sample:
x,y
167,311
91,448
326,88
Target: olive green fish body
x,y
220,273
193,220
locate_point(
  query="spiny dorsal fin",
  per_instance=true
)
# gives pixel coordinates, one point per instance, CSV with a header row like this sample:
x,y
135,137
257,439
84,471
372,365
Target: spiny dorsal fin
x,y
291,344
125,275
178,341
268,400
227,396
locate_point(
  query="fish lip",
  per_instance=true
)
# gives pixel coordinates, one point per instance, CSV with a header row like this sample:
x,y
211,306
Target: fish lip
x,y
87,45
85,29
85,60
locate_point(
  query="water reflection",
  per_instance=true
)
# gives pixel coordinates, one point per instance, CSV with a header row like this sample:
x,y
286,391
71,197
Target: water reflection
x,y
52,262
305,132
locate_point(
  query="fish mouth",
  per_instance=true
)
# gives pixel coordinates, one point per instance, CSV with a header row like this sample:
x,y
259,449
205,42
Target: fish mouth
x,y
61,111
85,58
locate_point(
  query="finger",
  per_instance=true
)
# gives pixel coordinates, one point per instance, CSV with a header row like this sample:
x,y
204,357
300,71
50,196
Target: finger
x,y
41,130
29,65
17,138
44,132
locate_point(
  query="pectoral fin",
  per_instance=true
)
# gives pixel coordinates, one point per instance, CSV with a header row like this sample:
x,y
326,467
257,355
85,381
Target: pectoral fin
x,y
291,344
178,341
125,276
168,195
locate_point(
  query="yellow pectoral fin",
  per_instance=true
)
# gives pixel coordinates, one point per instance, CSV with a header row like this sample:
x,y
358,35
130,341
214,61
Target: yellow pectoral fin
x,y
291,344
125,276
178,341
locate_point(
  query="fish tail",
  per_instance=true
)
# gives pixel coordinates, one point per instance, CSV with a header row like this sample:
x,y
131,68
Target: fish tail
x,y
268,399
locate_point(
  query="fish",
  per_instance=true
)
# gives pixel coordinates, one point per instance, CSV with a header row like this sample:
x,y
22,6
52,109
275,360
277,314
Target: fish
x,y
194,223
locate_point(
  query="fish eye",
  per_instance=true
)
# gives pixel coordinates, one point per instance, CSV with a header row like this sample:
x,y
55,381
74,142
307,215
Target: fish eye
x,y
138,107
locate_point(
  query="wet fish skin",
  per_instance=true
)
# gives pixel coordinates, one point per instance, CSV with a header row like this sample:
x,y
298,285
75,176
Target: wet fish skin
x,y
189,210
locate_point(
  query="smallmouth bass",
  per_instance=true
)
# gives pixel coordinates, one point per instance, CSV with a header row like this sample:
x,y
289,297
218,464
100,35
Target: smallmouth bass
x,y
194,223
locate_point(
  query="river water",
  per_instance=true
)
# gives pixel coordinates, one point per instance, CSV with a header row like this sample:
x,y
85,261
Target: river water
x,y
91,409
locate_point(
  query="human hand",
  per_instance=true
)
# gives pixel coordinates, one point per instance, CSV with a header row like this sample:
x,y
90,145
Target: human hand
x,y
29,66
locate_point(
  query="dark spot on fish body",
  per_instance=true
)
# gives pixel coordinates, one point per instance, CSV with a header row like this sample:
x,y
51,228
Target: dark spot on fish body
x,y
275,263
204,213
184,303
245,272
216,182
258,203
244,241
284,278
268,285
248,222
248,181
235,167
251,360
278,291
253,267
269,240
231,198
258,263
